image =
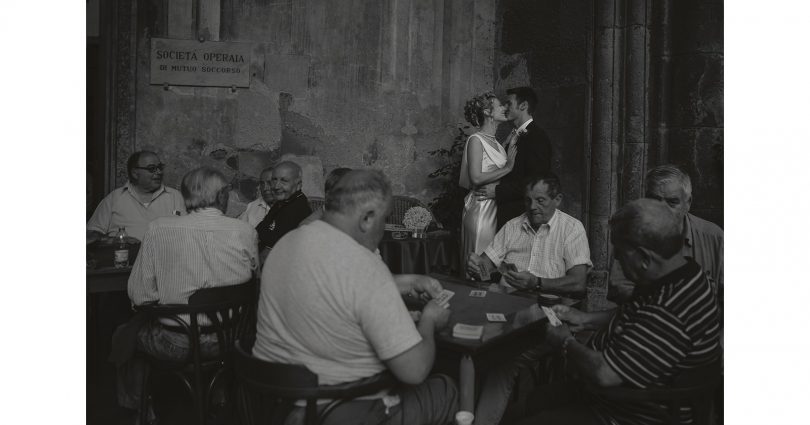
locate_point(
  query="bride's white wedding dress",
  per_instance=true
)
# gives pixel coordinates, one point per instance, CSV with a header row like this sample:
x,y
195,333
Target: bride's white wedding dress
x,y
478,221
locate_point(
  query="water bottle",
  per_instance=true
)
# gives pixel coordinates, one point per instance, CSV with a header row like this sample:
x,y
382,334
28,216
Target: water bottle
x,y
121,249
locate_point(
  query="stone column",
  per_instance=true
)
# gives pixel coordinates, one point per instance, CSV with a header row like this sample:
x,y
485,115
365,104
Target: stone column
x,y
606,127
123,79
630,97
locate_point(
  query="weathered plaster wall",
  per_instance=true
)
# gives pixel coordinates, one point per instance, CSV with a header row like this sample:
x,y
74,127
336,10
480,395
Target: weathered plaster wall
x,y
696,117
545,45
333,83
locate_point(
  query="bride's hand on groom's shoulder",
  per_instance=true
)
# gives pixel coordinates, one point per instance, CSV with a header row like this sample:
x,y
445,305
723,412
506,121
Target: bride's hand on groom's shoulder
x,y
510,157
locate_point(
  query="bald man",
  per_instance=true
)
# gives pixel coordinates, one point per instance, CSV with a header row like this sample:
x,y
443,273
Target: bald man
x,y
291,206
670,326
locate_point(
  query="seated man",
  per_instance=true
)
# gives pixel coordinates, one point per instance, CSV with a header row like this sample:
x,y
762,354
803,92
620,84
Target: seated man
x,y
180,255
138,202
258,208
703,240
670,325
289,209
548,247
550,250
331,304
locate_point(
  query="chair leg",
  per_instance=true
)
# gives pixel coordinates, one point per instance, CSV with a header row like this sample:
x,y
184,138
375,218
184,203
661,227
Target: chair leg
x,y
143,416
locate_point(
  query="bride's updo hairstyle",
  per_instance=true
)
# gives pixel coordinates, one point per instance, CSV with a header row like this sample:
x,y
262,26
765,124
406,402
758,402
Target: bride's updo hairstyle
x,y
475,107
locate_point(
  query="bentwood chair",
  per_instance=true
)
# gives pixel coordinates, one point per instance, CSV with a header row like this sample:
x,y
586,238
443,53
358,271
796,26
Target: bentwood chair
x,y
230,310
695,388
401,204
316,203
266,392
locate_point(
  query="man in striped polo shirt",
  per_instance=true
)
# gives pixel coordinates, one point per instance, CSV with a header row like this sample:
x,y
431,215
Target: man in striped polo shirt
x,y
671,325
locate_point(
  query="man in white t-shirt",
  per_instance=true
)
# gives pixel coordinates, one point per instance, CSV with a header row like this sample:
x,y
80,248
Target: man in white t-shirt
x,y
329,303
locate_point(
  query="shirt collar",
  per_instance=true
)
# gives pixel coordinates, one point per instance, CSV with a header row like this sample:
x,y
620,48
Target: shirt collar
x,y
687,230
161,189
685,272
210,211
287,201
524,125
528,225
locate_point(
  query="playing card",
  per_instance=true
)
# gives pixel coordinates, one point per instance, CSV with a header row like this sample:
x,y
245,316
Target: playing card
x,y
496,317
460,330
552,316
507,267
478,293
444,298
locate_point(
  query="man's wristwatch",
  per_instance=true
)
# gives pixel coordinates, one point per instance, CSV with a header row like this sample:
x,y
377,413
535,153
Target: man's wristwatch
x,y
539,285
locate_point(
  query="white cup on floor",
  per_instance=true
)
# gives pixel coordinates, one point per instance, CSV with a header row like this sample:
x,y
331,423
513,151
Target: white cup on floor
x,y
464,417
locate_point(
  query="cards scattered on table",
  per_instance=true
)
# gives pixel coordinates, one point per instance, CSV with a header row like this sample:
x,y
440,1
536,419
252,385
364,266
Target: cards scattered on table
x,y
496,317
478,293
460,330
552,316
444,298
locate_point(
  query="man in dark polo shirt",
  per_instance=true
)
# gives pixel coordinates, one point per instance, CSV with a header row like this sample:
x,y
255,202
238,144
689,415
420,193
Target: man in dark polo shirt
x,y
669,326
291,206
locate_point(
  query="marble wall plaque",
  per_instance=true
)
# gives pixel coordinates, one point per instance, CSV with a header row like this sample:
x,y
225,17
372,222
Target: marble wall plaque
x,y
194,63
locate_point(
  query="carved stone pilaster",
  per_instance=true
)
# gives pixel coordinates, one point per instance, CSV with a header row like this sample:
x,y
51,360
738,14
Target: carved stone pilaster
x,y
123,56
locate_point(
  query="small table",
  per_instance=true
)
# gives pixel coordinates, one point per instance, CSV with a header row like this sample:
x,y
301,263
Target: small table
x,y
421,256
522,330
106,288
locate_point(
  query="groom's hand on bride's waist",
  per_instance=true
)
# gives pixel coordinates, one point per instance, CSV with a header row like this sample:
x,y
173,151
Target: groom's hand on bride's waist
x,y
486,191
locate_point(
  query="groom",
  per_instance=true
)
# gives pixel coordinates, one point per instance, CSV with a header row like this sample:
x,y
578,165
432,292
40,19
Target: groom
x,y
533,155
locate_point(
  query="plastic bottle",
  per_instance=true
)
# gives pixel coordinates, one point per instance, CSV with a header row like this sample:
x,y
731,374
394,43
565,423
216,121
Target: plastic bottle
x,y
121,249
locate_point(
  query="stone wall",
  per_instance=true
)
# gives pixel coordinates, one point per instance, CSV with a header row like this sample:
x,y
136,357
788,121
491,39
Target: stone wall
x,y
696,117
545,45
355,83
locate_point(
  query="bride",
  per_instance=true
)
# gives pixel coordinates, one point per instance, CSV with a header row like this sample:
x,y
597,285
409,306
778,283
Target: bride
x,y
484,161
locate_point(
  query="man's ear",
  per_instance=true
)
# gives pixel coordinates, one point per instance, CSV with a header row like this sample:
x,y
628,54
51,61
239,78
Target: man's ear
x,y
222,198
523,106
367,220
645,256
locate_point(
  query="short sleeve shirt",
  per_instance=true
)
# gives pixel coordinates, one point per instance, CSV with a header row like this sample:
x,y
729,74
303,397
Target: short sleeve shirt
x,y
549,252
668,327
122,209
330,304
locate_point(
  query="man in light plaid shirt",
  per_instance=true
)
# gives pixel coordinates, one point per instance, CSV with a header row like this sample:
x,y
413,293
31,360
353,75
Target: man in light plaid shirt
x,y
548,248
543,249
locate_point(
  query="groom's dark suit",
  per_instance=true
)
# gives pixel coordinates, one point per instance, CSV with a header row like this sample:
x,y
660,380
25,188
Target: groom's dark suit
x,y
533,157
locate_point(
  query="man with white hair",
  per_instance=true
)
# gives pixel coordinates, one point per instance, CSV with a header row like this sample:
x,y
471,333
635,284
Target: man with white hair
x,y
180,255
327,301
703,240
290,207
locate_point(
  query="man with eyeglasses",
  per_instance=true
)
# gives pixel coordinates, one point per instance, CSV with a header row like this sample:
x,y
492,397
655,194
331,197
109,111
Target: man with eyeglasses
x,y
257,210
143,199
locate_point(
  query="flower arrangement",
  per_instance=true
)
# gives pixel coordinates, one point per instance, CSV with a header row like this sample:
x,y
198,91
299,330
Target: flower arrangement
x,y
417,218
